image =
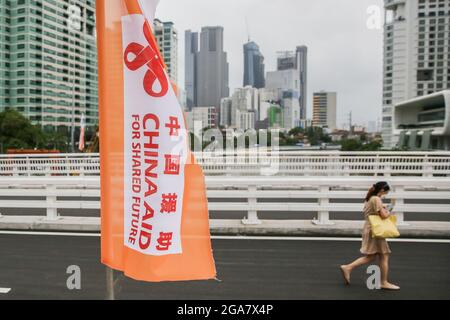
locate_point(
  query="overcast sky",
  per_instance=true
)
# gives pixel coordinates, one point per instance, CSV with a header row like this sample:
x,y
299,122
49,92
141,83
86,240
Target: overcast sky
x,y
344,54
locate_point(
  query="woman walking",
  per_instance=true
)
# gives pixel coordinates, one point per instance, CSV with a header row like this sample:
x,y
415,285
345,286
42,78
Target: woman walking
x,y
373,247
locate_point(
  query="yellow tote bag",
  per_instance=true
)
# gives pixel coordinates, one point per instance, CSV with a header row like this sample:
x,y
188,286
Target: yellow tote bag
x,y
384,228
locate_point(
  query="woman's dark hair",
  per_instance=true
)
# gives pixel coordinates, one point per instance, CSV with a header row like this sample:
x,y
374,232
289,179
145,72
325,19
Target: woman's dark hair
x,y
376,188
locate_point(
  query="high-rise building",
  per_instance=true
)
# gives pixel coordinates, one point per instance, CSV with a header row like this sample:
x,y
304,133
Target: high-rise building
x,y
324,110
266,99
48,61
212,68
286,61
283,79
190,61
243,100
253,66
225,112
206,76
291,109
200,118
423,122
167,38
416,54
296,62
275,117
246,121
286,83
302,67
271,95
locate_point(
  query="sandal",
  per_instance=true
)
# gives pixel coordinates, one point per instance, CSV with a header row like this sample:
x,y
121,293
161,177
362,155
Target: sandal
x,y
345,276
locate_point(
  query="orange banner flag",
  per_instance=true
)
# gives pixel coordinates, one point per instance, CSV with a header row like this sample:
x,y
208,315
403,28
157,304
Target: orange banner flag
x,y
154,211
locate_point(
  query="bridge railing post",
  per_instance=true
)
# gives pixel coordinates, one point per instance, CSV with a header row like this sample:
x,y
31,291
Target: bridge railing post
x,y
83,163
15,168
346,169
228,164
52,210
68,166
387,170
47,167
376,165
399,202
28,166
427,167
252,214
323,215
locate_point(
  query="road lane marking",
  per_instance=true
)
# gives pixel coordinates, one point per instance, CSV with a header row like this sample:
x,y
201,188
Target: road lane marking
x,y
65,234
342,239
325,239
5,290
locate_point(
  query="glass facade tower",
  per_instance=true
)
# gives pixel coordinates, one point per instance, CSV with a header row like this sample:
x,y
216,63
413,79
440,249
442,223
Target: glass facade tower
x,y
48,61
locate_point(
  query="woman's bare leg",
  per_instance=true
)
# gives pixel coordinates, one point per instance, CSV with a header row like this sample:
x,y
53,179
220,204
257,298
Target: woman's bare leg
x,y
348,268
384,266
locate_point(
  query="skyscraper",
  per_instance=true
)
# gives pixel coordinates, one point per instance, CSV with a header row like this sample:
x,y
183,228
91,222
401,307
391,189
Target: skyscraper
x,y
283,79
204,116
253,66
416,54
225,112
297,61
286,81
324,110
212,68
167,37
206,79
302,67
286,61
48,61
190,61
244,101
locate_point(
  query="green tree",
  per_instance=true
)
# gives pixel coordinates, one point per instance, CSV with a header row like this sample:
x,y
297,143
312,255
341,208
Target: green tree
x,y
372,146
57,141
296,131
17,132
316,136
358,145
351,145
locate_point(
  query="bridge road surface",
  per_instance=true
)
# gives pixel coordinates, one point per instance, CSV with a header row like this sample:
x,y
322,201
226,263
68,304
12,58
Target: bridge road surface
x,y
34,267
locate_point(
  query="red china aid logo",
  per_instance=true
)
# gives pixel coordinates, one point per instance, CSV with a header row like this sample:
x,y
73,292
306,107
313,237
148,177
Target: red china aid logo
x,y
146,55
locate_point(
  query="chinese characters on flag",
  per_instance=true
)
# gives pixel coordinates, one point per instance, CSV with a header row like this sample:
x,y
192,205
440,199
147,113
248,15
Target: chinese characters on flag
x,y
154,206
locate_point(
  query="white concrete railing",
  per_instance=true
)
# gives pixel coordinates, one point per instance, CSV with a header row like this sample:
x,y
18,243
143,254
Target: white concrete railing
x,y
50,165
286,163
260,194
